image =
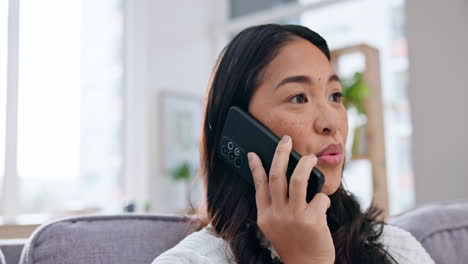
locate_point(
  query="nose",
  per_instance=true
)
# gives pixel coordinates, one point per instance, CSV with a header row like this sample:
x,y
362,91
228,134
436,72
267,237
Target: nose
x,y
326,122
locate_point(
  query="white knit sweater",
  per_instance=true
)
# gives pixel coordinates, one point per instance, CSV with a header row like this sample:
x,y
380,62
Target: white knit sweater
x,y
205,247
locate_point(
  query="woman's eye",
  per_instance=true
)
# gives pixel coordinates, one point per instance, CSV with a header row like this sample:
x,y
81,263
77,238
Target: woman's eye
x,y
298,99
337,97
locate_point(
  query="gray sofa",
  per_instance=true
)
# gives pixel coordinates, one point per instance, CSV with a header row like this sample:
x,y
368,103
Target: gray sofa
x,y
104,239
2,258
442,229
11,249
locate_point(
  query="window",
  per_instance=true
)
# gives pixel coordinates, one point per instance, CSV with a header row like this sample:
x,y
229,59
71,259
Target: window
x,y
70,101
240,8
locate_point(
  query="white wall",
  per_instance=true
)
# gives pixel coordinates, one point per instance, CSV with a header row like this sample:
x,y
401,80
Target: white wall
x,y
438,89
174,47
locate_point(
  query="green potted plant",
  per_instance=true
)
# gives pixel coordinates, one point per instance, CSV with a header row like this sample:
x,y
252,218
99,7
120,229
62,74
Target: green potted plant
x,y
183,172
355,91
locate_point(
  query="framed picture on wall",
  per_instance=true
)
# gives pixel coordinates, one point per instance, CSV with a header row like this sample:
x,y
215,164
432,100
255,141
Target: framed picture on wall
x,y
181,117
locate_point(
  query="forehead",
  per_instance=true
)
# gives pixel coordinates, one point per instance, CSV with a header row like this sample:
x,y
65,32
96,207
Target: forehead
x,y
298,57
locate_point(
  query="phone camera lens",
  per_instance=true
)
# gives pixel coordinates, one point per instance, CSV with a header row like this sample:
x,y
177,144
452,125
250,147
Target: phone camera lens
x,y
224,150
231,155
230,145
237,151
237,162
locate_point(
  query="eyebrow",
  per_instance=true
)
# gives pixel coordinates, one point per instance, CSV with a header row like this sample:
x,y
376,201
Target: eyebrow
x,y
306,79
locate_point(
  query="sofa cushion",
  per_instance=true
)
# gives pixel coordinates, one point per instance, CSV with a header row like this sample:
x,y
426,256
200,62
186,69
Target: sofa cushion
x,y
105,239
442,229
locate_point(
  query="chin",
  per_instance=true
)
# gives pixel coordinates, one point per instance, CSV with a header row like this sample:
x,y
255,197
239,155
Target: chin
x,y
329,190
332,183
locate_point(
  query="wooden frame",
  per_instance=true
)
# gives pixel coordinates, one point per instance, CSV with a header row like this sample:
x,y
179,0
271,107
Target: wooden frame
x,y
374,128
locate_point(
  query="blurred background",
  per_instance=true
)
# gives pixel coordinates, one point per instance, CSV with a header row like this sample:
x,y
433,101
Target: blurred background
x,y
101,101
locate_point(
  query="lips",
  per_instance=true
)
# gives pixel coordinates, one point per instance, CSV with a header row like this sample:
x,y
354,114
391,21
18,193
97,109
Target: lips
x,y
332,155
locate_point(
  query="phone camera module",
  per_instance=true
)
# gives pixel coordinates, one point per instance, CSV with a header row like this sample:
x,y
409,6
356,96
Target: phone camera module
x,y
237,162
224,150
230,145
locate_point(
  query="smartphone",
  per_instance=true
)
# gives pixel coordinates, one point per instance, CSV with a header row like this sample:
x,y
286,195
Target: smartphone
x,y
242,134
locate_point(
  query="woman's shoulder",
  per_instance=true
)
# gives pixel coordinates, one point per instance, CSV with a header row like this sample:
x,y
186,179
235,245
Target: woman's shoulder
x,y
403,246
203,246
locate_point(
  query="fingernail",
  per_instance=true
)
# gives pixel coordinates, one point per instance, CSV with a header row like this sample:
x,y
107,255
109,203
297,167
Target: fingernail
x,y
250,156
285,139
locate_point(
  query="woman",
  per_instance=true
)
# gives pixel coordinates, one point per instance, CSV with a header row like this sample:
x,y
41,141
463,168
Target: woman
x,y
282,75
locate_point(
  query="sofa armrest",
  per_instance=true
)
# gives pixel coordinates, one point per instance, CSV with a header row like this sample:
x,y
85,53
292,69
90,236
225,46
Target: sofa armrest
x,y
442,229
2,258
11,249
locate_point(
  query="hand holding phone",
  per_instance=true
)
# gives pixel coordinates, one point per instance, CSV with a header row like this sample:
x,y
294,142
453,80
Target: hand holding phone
x,y
297,229
242,133
295,224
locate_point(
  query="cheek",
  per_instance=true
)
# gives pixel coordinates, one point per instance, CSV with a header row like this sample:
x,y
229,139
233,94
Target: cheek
x,y
345,126
283,124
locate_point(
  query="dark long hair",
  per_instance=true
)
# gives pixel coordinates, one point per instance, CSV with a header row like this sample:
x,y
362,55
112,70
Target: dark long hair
x,y
230,201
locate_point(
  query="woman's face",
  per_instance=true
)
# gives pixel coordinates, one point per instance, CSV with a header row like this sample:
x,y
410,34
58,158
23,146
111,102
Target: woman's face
x,y
298,96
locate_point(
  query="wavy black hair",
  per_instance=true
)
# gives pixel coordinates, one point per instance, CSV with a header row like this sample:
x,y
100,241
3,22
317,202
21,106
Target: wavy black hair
x,y
230,202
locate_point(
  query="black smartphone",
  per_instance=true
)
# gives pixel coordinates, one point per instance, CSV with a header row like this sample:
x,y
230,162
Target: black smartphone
x,y
242,134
